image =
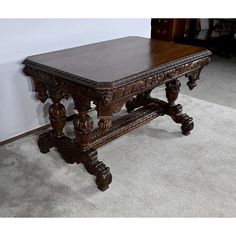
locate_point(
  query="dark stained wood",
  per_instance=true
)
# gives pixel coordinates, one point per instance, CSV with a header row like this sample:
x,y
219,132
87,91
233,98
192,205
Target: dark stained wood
x,y
108,63
110,86
175,111
170,29
162,29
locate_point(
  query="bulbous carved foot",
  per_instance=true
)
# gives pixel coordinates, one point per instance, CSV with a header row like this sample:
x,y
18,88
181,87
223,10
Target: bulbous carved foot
x,y
97,168
45,142
182,118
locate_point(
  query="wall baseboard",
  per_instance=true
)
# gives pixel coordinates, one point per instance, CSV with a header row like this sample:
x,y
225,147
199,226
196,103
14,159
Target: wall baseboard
x,y
69,118
24,134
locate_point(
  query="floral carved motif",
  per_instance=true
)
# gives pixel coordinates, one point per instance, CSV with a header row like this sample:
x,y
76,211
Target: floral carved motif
x,y
190,69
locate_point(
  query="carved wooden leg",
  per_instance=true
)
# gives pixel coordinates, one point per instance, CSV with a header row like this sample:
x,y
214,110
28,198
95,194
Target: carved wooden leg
x,y
175,111
83,125
57,116
97,168
104,114
138,101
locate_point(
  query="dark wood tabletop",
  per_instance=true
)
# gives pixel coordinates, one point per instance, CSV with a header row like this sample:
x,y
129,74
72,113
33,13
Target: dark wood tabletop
x,y
110,63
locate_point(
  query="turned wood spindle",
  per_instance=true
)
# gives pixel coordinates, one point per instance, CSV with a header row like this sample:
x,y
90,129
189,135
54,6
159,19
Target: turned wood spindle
x,y
57,114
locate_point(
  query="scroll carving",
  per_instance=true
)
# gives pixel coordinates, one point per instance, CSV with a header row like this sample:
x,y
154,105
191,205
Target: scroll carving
x,y
40,89
191,70
116,107
193,77
97,168
106,96
138,86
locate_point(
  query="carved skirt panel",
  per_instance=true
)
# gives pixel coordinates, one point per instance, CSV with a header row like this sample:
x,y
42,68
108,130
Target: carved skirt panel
x,y
112,99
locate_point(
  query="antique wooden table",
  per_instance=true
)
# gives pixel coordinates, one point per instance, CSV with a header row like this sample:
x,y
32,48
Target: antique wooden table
x,y
111,74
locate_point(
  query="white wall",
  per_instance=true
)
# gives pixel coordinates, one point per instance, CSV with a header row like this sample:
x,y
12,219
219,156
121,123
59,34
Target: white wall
x,y
19,38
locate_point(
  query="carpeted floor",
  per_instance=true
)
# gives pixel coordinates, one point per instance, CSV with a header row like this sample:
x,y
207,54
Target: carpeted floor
x,y
157,172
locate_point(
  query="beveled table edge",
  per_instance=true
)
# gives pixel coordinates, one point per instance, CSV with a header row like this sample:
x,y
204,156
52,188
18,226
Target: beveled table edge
x,y
122,81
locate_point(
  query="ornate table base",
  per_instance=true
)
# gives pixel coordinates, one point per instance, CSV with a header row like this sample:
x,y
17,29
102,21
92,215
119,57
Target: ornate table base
x,y
142,109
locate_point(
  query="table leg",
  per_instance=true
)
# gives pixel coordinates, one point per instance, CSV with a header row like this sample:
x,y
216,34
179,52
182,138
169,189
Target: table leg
x,y
83,125
97,168
138,101
175,111
57,117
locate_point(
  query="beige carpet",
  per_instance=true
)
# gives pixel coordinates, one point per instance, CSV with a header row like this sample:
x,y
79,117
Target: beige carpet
x,y
156,172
